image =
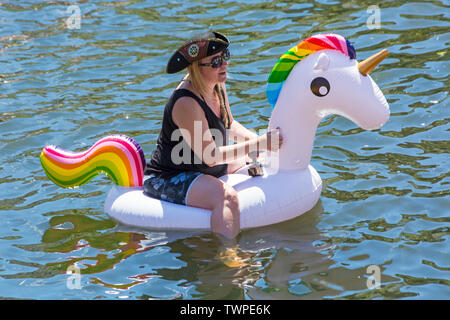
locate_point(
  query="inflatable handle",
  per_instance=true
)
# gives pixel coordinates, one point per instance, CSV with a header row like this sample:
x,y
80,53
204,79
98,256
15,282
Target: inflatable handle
x,y
118,156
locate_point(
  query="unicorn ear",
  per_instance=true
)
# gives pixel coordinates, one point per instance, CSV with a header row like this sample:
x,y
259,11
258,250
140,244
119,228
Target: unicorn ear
x,y
322,62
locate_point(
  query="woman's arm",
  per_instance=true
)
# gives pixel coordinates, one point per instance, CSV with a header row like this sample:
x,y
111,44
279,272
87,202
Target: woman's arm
x,y
270,141
190,118
239,133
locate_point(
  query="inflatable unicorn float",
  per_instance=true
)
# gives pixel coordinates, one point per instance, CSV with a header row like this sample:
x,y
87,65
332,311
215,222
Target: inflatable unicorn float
x,y
317,77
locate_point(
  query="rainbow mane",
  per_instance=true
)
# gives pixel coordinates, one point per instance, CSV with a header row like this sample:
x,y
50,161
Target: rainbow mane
x,y
287,61
118,156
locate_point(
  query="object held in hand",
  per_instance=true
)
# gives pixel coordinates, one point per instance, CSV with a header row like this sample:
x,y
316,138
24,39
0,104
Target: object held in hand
x,y
255,169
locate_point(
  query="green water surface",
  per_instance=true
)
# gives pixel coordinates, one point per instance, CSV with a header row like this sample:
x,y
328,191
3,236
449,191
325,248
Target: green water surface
x,y
384,212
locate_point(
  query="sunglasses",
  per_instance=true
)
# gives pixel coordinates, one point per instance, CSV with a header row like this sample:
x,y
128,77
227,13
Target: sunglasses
x,y
217,62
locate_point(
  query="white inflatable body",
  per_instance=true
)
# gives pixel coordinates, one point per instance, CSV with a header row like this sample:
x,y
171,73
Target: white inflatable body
x,y
328,80
263,200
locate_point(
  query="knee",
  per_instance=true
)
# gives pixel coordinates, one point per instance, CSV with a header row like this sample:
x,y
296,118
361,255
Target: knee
x,y
230,198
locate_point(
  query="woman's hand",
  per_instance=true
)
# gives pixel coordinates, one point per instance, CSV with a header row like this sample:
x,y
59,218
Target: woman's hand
x,y
270,141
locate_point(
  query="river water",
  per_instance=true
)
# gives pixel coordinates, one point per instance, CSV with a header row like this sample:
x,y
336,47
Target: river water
x,y
71,73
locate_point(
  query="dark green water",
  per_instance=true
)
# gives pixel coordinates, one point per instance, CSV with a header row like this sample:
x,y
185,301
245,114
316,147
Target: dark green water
x,y
384,210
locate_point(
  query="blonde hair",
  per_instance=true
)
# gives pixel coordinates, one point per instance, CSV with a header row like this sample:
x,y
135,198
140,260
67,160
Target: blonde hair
x,y
198,83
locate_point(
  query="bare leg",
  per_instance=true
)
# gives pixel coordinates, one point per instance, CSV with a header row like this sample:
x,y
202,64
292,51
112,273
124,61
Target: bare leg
x,y
210,193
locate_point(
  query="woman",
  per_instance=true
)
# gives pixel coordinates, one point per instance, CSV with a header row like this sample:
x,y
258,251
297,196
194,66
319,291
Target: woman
x,y
192,150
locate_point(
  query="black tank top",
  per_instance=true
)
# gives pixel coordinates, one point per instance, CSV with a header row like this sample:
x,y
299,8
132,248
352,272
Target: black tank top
x,y
161,164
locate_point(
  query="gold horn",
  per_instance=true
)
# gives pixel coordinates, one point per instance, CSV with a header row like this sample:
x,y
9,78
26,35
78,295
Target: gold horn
x,y
365,67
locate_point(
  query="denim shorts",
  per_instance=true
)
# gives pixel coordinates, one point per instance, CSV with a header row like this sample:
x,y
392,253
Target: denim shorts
x,y
174,189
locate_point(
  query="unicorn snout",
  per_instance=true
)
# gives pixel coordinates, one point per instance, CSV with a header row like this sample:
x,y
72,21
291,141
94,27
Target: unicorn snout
x,y
378,113
377,122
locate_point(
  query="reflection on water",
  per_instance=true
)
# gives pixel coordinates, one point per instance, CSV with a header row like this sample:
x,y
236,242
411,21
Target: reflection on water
x,y
380,230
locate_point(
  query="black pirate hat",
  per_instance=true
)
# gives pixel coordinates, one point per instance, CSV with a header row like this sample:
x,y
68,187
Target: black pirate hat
x,y
197,48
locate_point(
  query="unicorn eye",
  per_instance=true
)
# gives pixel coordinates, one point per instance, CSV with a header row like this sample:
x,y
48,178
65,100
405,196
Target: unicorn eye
x,y
320,86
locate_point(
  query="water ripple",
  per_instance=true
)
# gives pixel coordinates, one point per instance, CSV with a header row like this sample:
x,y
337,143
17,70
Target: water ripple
x,y
385,194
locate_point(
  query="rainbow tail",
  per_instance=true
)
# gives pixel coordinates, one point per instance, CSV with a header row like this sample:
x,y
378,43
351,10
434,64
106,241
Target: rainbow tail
x,y
118,156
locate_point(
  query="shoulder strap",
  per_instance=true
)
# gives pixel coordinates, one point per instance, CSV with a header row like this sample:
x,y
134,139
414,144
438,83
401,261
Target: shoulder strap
x,y
188,93
226,109
209,114
206,109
